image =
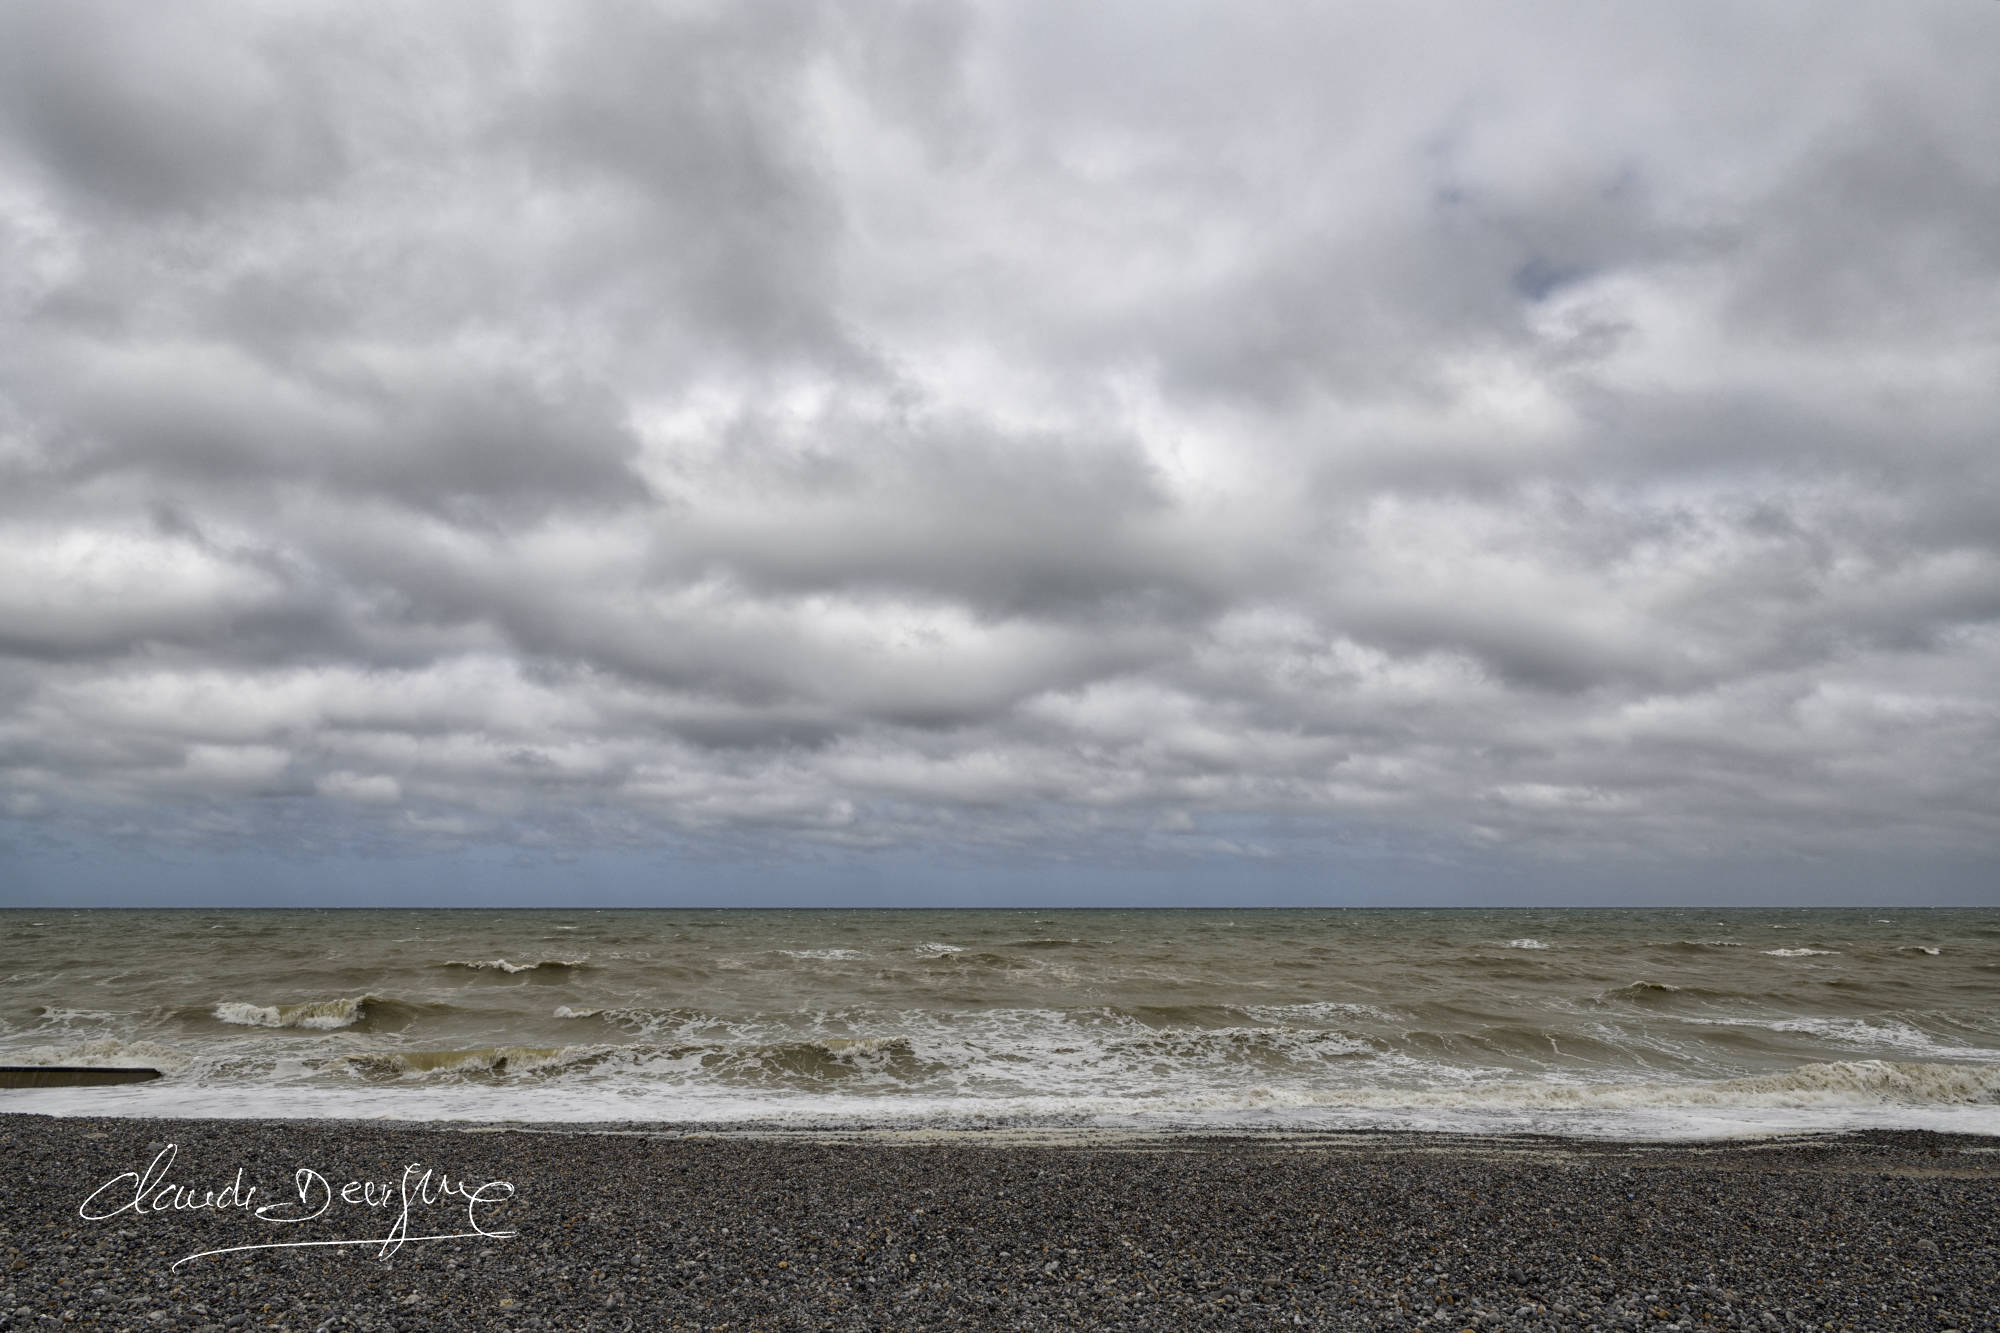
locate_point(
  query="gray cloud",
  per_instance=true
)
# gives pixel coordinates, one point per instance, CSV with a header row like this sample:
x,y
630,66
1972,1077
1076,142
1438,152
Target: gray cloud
x,y
1128,436
154,115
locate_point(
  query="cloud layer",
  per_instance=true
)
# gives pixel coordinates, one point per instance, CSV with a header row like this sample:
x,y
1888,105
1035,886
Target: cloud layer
x,y
1127,433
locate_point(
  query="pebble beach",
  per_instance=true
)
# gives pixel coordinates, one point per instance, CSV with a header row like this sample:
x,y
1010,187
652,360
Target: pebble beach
x,y
616,1228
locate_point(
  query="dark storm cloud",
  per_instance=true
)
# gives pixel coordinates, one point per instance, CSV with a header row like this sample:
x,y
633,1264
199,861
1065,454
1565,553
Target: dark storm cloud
x,y
1132,432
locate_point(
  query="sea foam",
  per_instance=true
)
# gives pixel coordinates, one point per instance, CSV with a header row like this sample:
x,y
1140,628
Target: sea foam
x,y
323,1015
502,965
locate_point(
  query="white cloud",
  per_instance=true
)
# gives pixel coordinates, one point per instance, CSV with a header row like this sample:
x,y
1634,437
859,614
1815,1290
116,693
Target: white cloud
x,y
1001,427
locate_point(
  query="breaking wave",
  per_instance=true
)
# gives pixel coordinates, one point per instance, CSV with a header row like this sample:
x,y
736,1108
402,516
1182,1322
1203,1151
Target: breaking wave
x,y
63,1016
1846,1082
473,1060
502,965
321,1015
1865,1034
107,1052
1642,991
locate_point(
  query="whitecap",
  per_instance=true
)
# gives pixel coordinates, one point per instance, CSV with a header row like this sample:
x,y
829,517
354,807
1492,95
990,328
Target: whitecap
x,y
938,948
821,953
502,965
478,1059
1799,953
50,1013
108,1052
324,1015
1527,944
1865,1032
1317,1011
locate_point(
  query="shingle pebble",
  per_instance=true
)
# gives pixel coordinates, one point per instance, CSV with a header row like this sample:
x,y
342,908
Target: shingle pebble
x,y
671,1231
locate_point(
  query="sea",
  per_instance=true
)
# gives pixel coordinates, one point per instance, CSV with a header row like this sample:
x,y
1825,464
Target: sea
x,y
1697,1023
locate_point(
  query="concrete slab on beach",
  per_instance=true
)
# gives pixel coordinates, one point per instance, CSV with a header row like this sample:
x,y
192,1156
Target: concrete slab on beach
x,y
70,1076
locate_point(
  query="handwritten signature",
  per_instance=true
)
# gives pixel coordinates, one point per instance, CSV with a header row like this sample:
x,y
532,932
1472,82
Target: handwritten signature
x,y
141,1193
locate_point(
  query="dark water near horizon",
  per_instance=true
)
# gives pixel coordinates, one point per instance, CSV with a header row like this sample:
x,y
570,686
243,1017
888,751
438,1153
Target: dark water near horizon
x,y
1658,1022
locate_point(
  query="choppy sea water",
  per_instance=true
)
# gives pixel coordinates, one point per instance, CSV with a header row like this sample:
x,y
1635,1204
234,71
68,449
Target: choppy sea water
x,y
1653,1023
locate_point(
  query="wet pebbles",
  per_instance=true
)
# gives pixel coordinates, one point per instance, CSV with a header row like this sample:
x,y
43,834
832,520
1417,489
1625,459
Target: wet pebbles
x,y
1877,1231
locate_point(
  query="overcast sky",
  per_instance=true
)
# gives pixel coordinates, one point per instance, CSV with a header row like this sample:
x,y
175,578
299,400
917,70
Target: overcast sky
x,y
1308,451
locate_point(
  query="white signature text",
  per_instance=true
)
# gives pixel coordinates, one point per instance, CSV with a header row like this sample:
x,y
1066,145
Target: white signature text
x,y
153,1190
